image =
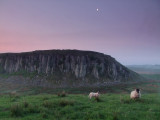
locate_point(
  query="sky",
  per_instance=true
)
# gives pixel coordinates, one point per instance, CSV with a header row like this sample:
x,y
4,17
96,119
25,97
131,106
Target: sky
x,y
128,30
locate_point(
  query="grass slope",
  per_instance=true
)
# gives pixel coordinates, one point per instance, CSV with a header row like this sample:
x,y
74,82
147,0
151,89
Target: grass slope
x,y
79,107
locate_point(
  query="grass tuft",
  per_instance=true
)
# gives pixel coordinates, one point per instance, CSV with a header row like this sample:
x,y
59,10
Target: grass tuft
x,y
47,104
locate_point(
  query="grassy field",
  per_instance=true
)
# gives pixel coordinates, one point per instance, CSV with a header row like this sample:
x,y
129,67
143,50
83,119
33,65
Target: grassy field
x,y
35,103
79,106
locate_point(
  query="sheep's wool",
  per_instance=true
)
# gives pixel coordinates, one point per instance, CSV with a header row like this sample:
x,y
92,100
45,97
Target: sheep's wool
x,y
92,94
135,95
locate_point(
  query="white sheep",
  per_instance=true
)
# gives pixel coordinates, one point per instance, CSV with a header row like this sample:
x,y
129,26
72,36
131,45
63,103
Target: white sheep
x,y
135,94
92,94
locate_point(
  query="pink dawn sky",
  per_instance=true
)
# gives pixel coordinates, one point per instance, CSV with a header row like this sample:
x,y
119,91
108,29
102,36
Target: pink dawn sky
x,y
128,30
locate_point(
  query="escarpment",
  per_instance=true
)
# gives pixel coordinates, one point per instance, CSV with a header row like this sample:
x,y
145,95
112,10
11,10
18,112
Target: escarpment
x,y
65,68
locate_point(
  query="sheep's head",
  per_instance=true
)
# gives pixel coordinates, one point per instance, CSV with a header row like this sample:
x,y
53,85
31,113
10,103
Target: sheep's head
x,y
137,90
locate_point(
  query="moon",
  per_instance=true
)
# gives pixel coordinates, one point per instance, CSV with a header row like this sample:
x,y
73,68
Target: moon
x,y
97,9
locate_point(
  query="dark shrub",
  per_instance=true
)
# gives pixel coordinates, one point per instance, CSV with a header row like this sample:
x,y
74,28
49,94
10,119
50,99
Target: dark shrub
x,y
26,104
59,94
33,109
45,98
65,103
62,94
98,99
115,116
16,110
44,115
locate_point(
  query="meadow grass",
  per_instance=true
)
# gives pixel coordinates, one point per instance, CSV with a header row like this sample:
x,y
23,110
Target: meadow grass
x,y
79,107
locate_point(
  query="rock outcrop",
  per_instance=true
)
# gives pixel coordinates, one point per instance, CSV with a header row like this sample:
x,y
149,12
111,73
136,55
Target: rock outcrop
x,y
65,68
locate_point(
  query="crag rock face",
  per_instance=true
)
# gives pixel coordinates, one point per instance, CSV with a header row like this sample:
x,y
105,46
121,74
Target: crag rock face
x,y
65,68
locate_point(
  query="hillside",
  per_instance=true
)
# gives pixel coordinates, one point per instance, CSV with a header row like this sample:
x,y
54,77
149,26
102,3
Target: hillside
x,y
63,68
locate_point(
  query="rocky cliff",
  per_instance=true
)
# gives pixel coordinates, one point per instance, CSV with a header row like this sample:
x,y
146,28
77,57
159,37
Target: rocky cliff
x,y
65,68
